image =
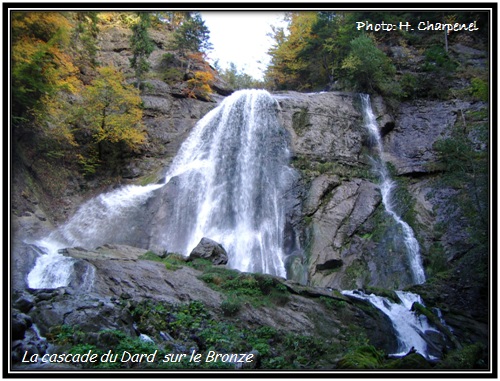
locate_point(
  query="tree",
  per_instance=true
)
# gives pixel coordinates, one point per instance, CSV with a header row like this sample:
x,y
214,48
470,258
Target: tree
x,y
111,110
173,19
287,68
191,36
463,158
142,46
100,125
367,68
84,39
40,63
238,80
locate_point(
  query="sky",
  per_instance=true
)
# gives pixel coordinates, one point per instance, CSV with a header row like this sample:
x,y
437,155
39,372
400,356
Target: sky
x,y
241,37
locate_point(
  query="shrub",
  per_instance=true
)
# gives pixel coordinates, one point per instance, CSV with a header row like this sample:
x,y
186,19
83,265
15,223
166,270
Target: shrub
x,y
231,305
364,357
479,89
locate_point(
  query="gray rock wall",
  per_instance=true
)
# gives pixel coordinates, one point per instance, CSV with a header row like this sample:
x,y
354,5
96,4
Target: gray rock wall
x,y
349,240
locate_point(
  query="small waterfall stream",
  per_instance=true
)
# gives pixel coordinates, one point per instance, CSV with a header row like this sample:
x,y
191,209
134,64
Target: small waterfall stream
x,y
410,328
386,187
97,222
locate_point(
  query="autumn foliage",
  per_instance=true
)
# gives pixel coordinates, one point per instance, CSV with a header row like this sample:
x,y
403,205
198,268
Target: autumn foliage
x,y
90,124
41,65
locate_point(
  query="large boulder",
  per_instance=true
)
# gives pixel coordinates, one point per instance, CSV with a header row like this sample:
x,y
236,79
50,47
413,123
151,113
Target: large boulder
x,y
211,250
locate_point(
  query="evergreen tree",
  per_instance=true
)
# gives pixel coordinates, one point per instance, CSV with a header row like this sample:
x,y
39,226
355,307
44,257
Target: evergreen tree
x,y
191,36
142,46
84,39
238,80
367,68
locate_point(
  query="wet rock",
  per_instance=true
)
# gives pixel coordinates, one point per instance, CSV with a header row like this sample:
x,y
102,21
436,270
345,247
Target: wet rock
x,y
320,187
31,344
23,259
344,210
19,324
106,252
24,302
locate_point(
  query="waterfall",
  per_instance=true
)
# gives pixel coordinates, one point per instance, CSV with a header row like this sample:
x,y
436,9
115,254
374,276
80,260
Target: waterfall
x,y
411,329
106,218
232,174
386,187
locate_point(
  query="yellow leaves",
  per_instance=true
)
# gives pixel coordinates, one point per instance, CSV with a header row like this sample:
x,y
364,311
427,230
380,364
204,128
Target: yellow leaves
x,y
200,84
108,111
39,25
351,62
40,64
286,62
112,110
117,18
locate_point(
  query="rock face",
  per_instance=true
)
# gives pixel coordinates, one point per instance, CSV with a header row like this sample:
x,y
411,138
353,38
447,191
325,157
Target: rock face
x,y
341,199
123,280
418,126
211,250
169,119
349,239
324,126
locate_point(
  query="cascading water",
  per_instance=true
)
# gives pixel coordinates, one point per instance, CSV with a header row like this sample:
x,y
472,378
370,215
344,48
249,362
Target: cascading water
x,y
411,329
98,221
386,187
232,174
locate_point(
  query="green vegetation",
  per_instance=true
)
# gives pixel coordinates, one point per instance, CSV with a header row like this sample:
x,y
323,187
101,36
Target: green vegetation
x,y
325,50
347,171
463,160
192,35
105,122
72,108
332,303
436,260
256,289
172,261
368,69
237,79
364,357
192,326
468,357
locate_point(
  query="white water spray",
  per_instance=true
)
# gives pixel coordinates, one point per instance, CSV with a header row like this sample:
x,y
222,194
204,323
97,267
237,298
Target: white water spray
x,y
410,327
100,220
386,187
